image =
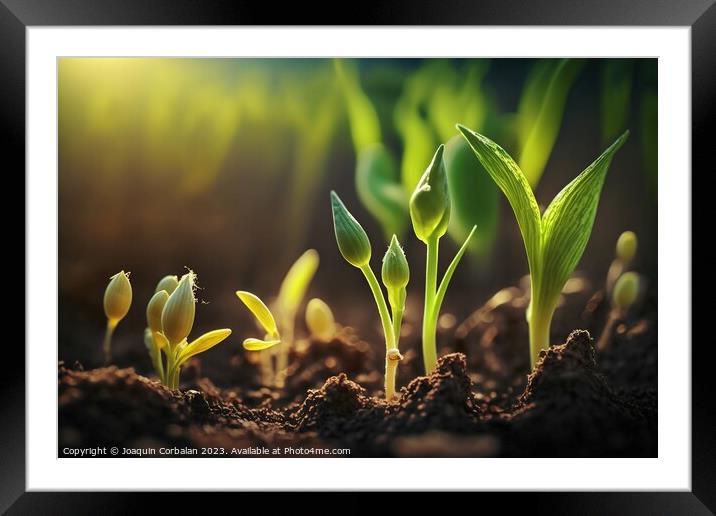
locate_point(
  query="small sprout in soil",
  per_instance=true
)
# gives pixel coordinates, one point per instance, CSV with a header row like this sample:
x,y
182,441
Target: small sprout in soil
x,y
169,331
290,296
319,320
272,338
554,241
430,213
355,247
626,247
395,274
117,300
625,293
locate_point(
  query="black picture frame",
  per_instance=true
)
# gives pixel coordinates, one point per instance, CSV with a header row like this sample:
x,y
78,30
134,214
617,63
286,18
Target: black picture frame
x,y
699,15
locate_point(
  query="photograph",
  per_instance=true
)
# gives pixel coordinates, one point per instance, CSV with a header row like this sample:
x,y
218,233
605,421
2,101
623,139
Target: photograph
x,y
357,257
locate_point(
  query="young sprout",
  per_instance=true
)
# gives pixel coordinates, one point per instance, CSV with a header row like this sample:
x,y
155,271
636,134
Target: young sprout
x,y
271,338
319,320
170,319
430,213
117,300
626,247
554,241
395,274
625,293
355,247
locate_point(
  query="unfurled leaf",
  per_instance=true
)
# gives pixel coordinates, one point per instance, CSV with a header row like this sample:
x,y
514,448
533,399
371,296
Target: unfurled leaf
x,y
294,285
513,183
445,282
379,189
474,197
260,310
541,113
201,344
567,222
252,344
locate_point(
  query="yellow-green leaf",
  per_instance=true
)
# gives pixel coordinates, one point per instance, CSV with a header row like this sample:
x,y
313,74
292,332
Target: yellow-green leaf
x,y
252,344
203,343
295,284
260,310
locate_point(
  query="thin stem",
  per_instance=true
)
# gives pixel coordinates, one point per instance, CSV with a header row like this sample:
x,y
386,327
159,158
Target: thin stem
x,y
107,342
606,336
540,322
397,323
430,357
157,360
286,343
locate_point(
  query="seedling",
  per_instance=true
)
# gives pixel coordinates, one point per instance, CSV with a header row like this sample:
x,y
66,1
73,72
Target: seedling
x,y
625,293
117,300
170,318
355,247
319,320
272,338
430,213
625,251
554,241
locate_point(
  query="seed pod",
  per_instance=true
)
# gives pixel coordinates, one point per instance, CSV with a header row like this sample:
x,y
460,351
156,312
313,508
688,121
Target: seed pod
x,y
626,246
626,290
351,237
319,319
168,283
117,297
154,310
179,310
430,202
395,272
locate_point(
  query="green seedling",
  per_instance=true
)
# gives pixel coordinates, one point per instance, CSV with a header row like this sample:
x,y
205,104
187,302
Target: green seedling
x,y
319,320
626,247
355,247
272,338
626,290
554,241
170,319
117,300
430,213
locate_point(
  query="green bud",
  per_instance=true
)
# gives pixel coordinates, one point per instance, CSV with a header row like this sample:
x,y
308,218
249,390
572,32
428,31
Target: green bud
x,y
350,235
154,310
626,290
395,272
626,246
179,310
117,298
430,202
168,283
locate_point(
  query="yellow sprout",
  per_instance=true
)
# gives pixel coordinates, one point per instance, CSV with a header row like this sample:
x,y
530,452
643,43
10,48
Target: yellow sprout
x,y
179,310
168,283
319,319
117,300
626,246
154,310
626,290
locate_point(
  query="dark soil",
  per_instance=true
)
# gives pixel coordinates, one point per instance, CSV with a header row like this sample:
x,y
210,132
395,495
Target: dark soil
x,y
575,403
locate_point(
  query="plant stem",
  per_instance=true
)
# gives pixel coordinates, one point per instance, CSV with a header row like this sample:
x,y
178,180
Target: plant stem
x,y
284,347
391,360
539,325
107,342
606,336
430,358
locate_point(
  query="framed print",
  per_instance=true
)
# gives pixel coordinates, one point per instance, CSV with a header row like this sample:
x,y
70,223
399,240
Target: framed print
x,y
442,251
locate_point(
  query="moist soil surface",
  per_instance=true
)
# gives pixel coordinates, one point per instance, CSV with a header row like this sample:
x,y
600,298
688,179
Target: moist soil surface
x,y
481,400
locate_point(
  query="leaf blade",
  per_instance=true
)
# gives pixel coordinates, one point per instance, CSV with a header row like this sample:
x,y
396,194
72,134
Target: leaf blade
x,y
252,344
202,344
260,310
298,278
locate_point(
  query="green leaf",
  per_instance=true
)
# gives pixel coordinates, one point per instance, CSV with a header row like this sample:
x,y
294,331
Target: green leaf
x,y
445,282
567,223
362,116
201,344
474,197
615,97
545,121
379,189
513,183
252,344
260,310
294,285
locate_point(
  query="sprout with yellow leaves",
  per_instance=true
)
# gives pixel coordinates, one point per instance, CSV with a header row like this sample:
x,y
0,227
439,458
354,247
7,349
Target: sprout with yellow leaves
x,y
271,338
117,300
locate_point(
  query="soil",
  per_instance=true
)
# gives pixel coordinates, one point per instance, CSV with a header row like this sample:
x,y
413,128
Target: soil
x,y
479,402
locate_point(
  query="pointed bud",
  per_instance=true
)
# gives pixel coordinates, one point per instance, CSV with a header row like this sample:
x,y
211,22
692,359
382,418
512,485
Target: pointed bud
x,y
117,297
179,310
626,246
626,290
168,283
430,202
319,320
395,272
350,235
154,310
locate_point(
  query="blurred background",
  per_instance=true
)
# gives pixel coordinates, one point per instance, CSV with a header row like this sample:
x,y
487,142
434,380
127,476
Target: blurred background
x,y
225,166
